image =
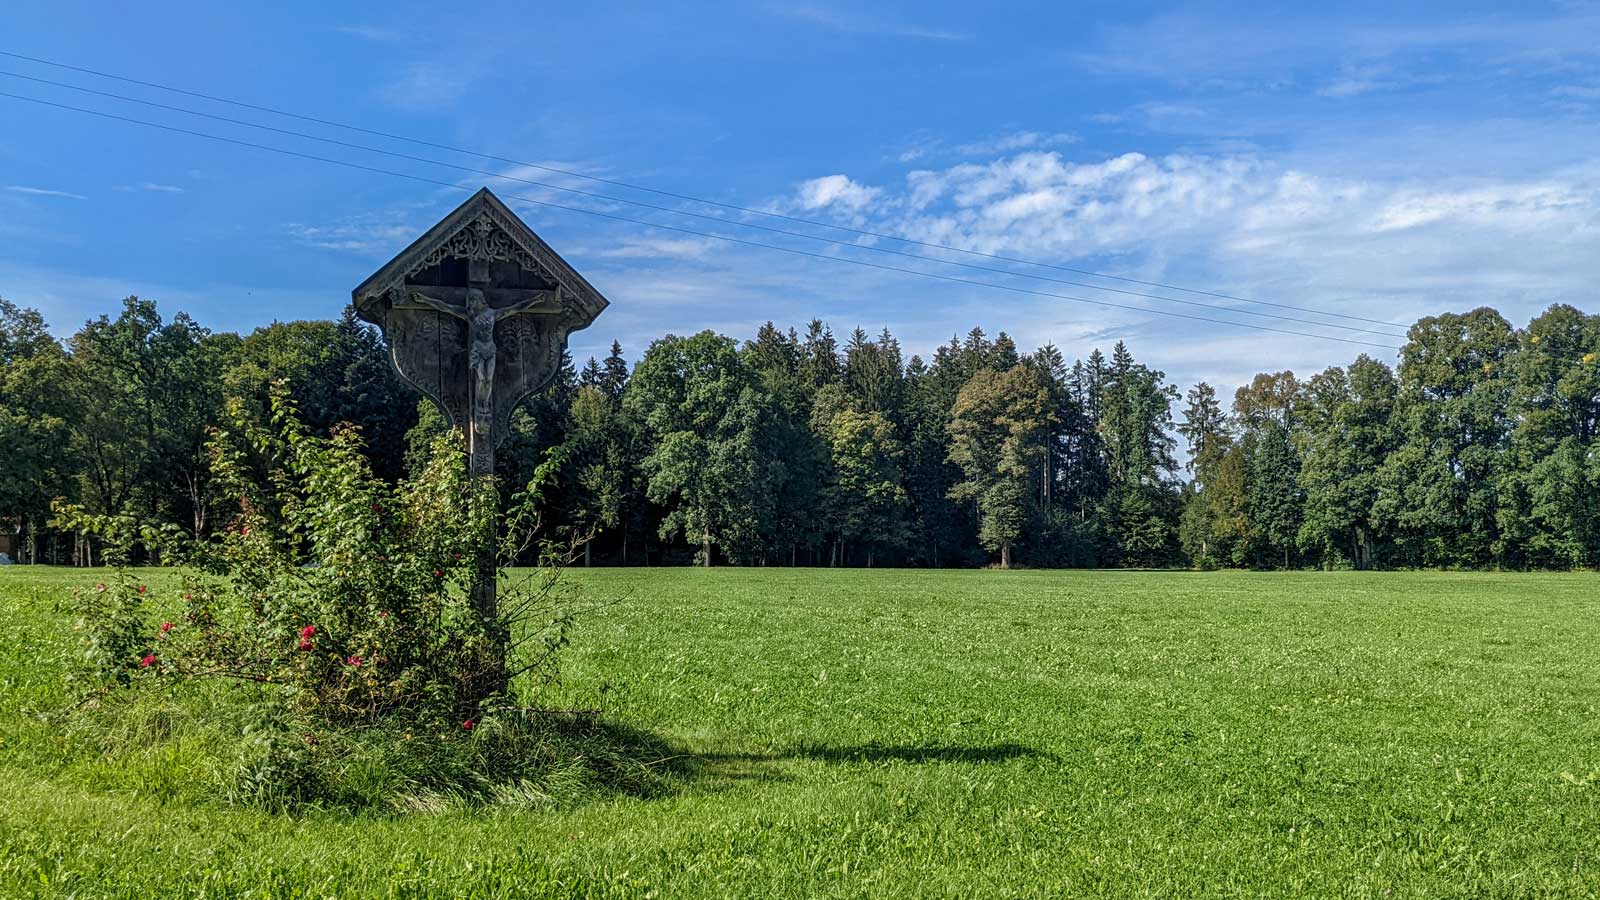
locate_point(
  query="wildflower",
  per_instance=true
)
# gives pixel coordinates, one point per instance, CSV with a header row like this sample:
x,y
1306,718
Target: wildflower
x,y
467,724
353,662
148,661
100,588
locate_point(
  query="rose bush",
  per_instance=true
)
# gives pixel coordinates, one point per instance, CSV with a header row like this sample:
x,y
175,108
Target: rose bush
x,y
347,601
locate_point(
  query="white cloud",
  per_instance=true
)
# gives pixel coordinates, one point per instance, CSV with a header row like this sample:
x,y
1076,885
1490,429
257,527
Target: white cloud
x,y
1241,224
1520,207
43,192
836,191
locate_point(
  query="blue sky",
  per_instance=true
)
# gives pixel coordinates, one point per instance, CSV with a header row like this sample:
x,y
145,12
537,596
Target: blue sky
x,y
1376,160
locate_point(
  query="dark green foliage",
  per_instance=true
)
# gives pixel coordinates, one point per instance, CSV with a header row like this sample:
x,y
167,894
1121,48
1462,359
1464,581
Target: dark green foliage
x,y
34,405
702,418
1440,488
1347,430
335,372
1480,449
1267,411
1202,529
998,428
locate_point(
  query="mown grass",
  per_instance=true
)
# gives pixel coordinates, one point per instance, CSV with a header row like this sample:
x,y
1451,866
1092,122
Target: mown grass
x,y
914,734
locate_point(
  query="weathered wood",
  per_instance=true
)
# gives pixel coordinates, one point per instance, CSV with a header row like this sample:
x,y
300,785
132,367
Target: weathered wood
x,y
477,313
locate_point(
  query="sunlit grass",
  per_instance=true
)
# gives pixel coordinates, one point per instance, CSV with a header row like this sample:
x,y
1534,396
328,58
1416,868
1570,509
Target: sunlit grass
x,y
906,734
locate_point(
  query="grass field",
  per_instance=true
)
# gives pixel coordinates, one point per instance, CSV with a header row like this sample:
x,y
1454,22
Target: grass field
x,y
914,734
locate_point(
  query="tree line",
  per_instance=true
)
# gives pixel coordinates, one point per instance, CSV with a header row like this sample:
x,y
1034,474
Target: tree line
x,y
1478,449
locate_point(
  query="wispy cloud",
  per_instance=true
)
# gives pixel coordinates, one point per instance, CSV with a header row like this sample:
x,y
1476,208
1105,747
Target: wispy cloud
x,y
850,23
70,296
43,192
926,147
428,85
646,247
1020,140
153,187
1228,52
372,33
367,235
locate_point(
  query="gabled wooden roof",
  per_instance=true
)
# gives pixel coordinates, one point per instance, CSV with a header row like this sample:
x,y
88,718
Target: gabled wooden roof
x,y
534,254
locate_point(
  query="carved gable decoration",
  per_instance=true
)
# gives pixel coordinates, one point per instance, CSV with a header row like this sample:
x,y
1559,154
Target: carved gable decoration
x,y
477,312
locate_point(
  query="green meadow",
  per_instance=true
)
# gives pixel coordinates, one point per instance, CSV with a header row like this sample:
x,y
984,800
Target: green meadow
x,y
894,733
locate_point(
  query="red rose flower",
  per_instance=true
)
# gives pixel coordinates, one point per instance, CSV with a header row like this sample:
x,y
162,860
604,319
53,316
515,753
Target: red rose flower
x,y
188,596
307,632
353,662
437,573
377,508
467,724
166,627
383,614
142,588
306,645
148,661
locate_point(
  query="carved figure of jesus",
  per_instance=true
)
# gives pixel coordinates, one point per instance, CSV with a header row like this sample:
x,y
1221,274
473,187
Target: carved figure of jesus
x,y
480,318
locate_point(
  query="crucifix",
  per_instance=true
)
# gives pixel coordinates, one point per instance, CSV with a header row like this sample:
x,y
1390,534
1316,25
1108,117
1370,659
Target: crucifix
x,y
476,313
481,307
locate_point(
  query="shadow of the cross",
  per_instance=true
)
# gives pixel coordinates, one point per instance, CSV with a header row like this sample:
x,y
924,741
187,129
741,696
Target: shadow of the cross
x,y
874,752
671,765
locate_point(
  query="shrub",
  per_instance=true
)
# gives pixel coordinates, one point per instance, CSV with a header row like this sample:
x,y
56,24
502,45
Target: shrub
x,y
349,602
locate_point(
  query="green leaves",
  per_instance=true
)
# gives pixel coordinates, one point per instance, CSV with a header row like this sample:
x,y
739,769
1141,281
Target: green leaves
x,y
997,429
352,593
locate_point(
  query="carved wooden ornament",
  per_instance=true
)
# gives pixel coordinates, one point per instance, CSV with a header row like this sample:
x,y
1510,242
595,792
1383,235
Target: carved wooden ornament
x,y
477,312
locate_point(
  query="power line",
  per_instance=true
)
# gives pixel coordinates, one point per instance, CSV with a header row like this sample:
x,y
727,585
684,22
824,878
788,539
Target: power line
x,y
545,203
674,211
692,199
